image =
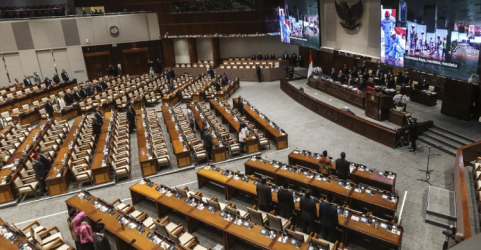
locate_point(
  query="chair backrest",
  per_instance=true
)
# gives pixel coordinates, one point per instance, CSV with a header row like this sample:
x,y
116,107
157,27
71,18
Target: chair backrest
x,y
175,239
274,222
18,182
255,216
161,229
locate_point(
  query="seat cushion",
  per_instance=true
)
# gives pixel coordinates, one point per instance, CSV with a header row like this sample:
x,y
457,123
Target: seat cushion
x,y
185,238
199,247
171,227
26,187
135,214
51,239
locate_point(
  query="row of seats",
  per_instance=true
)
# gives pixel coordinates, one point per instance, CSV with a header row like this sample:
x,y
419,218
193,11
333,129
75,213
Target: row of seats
x,y
165,227
155,137
119,145
12,139
188,135
214,126
195,65
80,155
197,86
246,67
252,130
477,181
26,182
51,238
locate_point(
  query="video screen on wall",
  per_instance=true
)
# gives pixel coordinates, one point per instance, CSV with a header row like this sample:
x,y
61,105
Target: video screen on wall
x,y
438,38
299,23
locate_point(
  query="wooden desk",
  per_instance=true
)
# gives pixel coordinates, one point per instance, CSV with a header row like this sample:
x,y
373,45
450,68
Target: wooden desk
x,y
270,132
374,178
205,175
397,117
227,91
7,243
378,105
67,113
380,207
122,236
253,236
7,189
338,91
420,96
148,164
183,157
57,180
219,152
26,117
101,174
304,160
252,143
378,235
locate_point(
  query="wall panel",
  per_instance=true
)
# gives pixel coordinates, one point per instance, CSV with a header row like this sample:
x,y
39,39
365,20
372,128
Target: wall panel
x,y
7,39
204,49
40,33
245,46
181,48
14,66
45,61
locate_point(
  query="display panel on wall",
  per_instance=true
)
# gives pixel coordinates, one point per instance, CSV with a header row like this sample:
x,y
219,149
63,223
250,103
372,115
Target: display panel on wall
x,y
299,23
441,37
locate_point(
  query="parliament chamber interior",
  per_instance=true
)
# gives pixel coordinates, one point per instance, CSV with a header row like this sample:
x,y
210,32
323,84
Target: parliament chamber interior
x,y
326,124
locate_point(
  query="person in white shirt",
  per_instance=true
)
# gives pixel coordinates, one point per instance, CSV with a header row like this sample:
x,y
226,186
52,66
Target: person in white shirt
x,y
242,135
191,118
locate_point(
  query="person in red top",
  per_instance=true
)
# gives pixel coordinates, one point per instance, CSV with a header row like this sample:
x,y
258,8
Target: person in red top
x,y
325,163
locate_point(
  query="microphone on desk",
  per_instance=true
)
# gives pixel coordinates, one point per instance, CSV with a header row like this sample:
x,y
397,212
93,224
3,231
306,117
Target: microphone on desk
x,y
132,242
98,221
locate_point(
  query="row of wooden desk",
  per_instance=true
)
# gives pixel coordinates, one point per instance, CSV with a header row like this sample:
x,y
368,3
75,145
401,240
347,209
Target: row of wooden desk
x,y
183,156
148,164
36,96
252,142
7,243
228,90
374,178
58,177
377,202
195,217
124,235
420,96
261,123
349,225
101,172
7,188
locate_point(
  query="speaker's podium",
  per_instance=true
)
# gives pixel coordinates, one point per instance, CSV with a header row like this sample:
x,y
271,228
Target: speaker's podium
x,y
378,105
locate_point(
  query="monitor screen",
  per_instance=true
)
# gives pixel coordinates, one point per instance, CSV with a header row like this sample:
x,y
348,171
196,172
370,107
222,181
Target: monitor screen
x,y
438,37
299,23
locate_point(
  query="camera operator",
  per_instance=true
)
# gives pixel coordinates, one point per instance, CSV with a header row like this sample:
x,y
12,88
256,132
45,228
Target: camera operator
x,y
458,237
413,132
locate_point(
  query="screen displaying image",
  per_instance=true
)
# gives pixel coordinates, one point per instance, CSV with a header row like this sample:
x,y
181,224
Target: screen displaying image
x,y
393,39
438,40
299,23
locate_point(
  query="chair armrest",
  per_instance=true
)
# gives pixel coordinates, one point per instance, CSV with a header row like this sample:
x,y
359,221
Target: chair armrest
x,y
46,232
33,223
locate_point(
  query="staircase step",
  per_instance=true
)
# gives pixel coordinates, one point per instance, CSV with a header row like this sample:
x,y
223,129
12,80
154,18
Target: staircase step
x,y
435,144
456,135
449,137
443,140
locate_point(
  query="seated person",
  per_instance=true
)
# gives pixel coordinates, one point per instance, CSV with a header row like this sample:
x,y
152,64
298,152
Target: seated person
x,y
425,85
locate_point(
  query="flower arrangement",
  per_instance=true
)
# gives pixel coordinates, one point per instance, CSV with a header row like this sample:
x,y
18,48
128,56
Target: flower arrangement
x,y
316,71
401,100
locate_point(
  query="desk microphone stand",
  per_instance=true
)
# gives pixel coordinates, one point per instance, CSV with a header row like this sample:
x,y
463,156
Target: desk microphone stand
x,y
427,170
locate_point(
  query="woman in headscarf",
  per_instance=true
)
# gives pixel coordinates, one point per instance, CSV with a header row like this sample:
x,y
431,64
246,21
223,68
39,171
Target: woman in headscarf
x,y
83,231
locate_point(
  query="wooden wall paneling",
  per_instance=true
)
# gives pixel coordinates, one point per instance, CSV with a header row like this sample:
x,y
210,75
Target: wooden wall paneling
x,y
216,51
457,99
168,52
193,50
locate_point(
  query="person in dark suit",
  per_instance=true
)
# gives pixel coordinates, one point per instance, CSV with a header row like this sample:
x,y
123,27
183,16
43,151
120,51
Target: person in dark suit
x,y
407,78
342,77
334,76
225,80
159,67
26,82
362,84
285,201
169,77
47,81
211,72
354,73
96,127
264,195
99,116
342,167
294,59
413,133
353,81
100,241
345,69
272,57
266,56
329,219
131,118
217,86
400,78
104,85
43,159
171,87
64,75
300,61
172,73
291,72
425,85
110,70
116,70
285,57
83,93
240,106
379,73
49,109
391,84
76,96
308,212
55,78
258,73
98,88
90,90
68,99
253,57
363,68
40,173
366,76
207,142
259,56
